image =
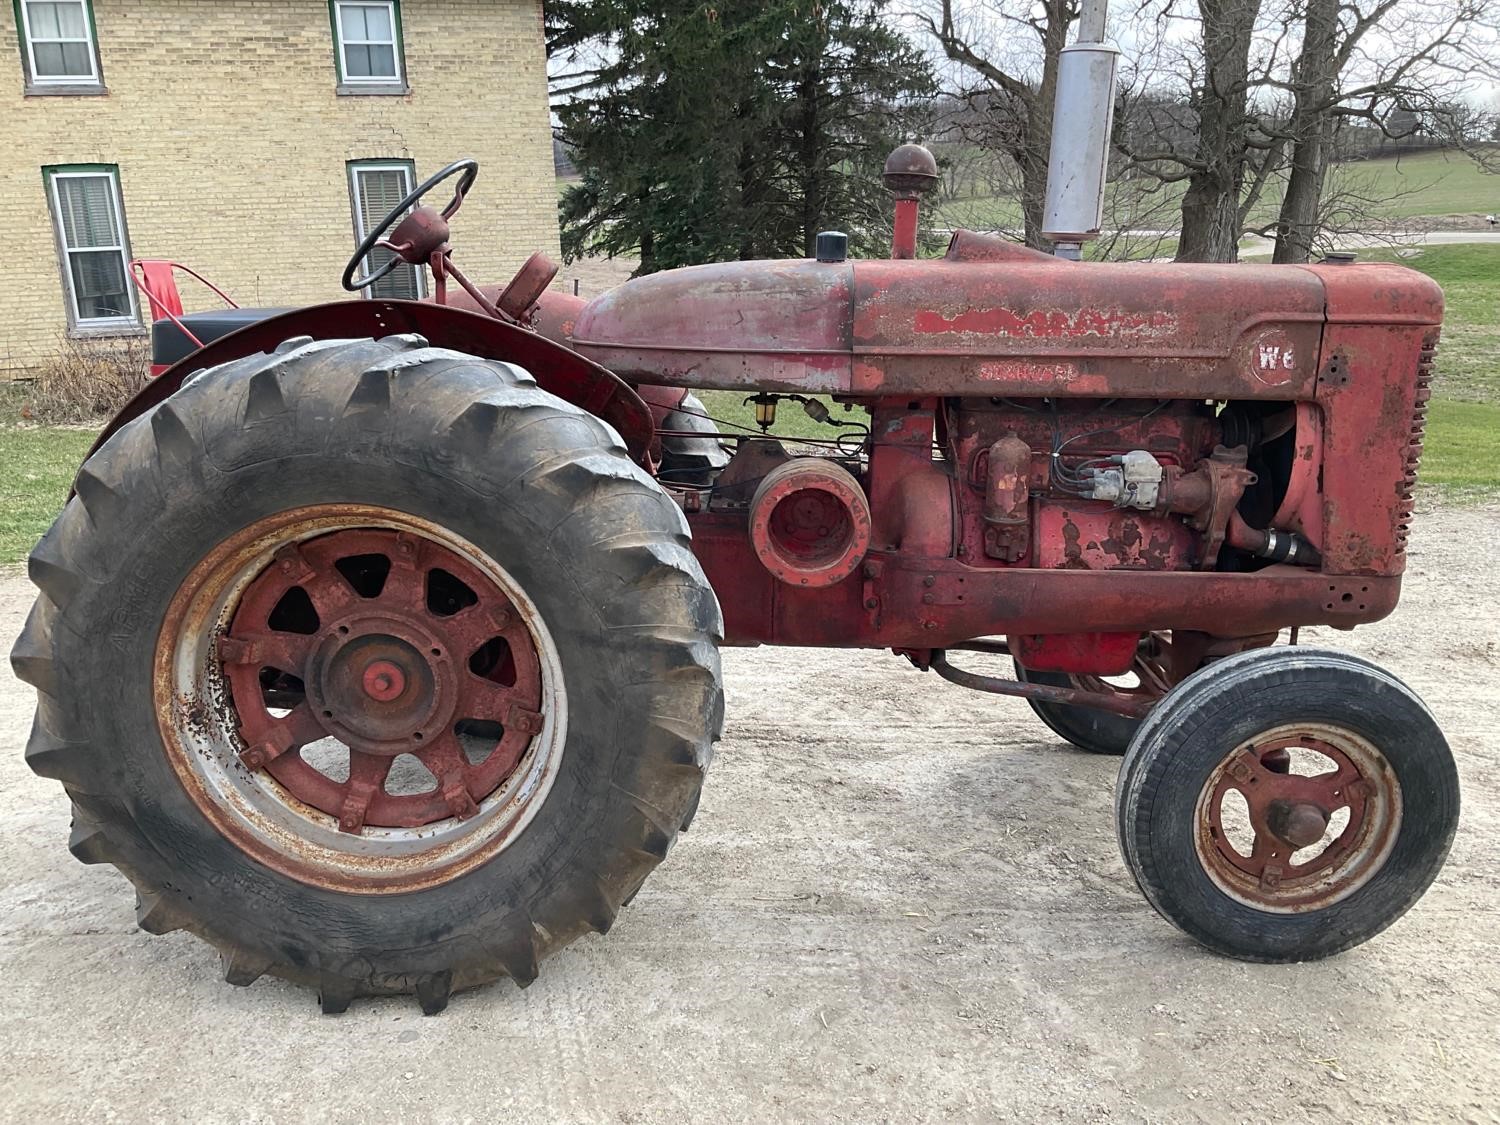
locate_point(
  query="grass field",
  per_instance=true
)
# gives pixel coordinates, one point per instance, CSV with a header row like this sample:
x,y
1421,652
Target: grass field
x,y
1462,455
36,470
1424,185
1469,359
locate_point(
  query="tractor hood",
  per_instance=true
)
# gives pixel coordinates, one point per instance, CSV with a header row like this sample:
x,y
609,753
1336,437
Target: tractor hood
x,y
991,318
779,325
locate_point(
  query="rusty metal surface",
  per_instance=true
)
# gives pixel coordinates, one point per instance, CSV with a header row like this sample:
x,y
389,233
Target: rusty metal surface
x,y
910,173
1301,508
1287,813
1066,531
418,236
555,368
938,602
809,523
527,287
386,672
974,246
1017,327
1095,654
765,326
910,170
1007,495
1024,328
238,759
1374,372
1118,703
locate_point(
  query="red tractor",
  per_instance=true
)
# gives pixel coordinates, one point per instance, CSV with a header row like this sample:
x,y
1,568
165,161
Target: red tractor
x,y
378,644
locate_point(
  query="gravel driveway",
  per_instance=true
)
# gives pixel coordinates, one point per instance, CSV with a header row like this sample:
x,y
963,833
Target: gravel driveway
x,y
900,900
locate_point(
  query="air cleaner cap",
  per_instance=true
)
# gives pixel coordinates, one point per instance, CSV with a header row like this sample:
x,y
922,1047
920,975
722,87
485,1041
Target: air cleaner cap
x,y
832,246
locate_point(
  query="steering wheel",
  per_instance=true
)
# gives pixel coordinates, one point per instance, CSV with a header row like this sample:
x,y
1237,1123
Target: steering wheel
x,y
376,237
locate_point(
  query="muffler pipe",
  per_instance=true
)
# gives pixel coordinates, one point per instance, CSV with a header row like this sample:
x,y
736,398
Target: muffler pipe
x,y
1083,113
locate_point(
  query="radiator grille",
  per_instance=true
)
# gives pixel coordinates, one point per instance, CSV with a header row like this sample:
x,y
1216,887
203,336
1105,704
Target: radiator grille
x,y
1414,447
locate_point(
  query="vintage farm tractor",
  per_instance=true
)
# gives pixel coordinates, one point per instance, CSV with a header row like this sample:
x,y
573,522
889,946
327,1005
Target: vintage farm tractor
x,y
378,644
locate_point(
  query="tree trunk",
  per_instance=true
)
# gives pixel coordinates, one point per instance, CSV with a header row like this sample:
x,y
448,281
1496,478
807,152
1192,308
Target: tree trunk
x,y
1298,224
1038,143
1210,218
647,238
810,157
1210,207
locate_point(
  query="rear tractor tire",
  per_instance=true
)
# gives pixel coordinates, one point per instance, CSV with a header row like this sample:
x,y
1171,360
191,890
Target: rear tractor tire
x,y
1089,728
374,665
1286,804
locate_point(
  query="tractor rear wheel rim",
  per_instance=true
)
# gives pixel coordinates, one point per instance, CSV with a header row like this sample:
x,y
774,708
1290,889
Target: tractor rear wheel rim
x,y
1149,671
1295,840
310,654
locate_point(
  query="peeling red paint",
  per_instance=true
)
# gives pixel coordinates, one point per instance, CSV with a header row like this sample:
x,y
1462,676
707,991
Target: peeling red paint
x,y
1114,323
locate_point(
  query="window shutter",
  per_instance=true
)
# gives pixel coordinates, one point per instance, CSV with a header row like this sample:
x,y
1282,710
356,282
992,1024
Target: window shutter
x,y
94,247
88,212
380,189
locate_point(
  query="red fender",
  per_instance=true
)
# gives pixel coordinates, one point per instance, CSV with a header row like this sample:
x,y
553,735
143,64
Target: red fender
x,y
556,368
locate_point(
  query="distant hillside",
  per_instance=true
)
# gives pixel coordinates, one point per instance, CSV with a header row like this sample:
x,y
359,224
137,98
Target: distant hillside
x,y
1443,188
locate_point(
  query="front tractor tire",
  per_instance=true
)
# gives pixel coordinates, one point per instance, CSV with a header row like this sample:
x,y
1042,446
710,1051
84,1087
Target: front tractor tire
x,y
374,665
1286,804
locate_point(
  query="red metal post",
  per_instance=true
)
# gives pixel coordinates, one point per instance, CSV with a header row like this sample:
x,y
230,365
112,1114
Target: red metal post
x,y
904,240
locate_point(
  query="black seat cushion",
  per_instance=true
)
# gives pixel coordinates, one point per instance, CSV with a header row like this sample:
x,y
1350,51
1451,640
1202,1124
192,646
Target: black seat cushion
x,y
168,344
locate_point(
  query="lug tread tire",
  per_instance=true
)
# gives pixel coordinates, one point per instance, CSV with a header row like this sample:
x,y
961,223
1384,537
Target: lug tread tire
x,y
489,437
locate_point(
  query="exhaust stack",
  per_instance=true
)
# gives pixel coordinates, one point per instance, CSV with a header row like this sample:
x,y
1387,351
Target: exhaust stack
x,y
1083,113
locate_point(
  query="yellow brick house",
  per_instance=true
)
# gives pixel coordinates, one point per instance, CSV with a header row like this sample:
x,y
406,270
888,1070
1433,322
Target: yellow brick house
x,y
254,140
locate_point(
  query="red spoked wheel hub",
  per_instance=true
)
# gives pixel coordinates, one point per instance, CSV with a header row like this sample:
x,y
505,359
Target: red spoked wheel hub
x,y
387,643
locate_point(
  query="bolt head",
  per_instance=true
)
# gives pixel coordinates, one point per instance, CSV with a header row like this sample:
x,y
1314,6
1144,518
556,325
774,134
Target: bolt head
x,y
383,681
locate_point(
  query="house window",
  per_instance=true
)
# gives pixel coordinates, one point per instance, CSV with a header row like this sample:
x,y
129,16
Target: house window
x,y
375,187
91,238
58,47
367,42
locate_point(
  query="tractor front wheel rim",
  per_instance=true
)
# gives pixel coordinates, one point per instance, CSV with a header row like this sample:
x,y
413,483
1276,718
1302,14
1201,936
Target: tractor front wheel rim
x,y
1298,818
359,698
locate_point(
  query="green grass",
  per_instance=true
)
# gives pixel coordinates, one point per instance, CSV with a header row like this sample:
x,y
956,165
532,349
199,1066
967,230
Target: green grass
x,y
39,463
1462,453
1423,185
1468,365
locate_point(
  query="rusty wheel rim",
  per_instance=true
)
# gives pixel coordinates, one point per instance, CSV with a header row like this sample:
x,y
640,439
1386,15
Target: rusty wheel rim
x,y
1298,819
359,698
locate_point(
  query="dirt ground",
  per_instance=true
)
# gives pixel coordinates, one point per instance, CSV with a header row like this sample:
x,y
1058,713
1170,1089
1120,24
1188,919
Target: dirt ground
x,y
900,901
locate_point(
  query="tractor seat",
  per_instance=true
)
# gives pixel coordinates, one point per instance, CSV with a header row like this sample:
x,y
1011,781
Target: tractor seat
x,y
169,344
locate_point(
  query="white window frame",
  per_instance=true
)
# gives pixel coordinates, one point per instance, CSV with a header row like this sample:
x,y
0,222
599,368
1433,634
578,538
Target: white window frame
x,y
356,199
38,79
344,42
105,323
